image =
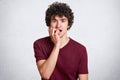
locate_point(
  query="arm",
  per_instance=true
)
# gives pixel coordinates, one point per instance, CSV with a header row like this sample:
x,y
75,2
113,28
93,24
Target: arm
x,y
83,69
83,76
46,67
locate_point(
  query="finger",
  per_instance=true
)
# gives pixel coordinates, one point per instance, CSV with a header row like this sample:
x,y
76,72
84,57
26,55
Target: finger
x,y
57,31
53,31
50,31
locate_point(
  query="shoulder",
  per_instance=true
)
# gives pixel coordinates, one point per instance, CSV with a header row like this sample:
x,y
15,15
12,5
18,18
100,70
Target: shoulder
x,y
77,44
43,40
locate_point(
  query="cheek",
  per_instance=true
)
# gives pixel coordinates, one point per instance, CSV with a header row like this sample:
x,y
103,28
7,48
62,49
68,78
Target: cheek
x,y
53,24
64,30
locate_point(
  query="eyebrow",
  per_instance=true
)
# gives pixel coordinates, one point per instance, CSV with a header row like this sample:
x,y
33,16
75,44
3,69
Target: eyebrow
x,y
61,18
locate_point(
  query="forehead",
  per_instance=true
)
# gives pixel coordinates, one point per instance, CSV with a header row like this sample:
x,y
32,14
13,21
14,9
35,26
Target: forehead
x,y
58,16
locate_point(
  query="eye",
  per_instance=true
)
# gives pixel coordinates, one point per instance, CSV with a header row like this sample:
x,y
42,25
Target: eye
x,y
53,20
63,20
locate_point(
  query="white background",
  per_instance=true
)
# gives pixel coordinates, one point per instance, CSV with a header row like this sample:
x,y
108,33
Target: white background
x,y
96,25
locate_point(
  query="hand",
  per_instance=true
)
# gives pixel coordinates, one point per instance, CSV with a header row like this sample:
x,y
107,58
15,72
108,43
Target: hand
x,y
54,35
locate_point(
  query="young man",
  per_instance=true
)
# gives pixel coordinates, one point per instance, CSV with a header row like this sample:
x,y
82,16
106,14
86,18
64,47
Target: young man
x,y
59,57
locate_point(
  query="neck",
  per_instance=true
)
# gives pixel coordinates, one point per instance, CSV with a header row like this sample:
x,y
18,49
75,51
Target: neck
x,y
64,41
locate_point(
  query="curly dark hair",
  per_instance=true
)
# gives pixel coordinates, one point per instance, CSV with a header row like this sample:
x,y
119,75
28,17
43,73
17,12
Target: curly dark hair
x,y
60,9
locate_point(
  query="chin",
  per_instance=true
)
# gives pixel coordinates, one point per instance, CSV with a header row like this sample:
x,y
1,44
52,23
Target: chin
x,y
62,35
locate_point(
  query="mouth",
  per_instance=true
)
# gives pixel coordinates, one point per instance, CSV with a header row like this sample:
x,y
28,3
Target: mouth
x,y
60,30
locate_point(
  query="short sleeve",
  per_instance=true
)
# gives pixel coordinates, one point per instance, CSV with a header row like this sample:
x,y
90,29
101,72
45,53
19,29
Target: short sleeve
x,y
38,51
83,65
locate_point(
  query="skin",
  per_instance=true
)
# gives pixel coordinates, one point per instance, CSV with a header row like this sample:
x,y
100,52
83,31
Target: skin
x,y
58,34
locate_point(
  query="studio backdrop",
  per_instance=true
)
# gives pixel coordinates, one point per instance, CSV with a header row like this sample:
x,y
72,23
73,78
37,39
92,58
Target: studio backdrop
x,y
96,25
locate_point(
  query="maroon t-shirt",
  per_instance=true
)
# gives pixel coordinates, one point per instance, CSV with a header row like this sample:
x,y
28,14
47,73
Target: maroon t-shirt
x,y
72,58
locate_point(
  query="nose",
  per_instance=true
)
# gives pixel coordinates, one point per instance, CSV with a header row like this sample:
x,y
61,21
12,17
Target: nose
x,y
58,25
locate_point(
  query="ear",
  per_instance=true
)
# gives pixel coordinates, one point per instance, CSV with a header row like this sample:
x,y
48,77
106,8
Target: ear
x,y
68,27
49,27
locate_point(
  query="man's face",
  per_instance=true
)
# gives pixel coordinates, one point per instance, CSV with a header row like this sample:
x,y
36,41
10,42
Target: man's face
x,y
60,24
